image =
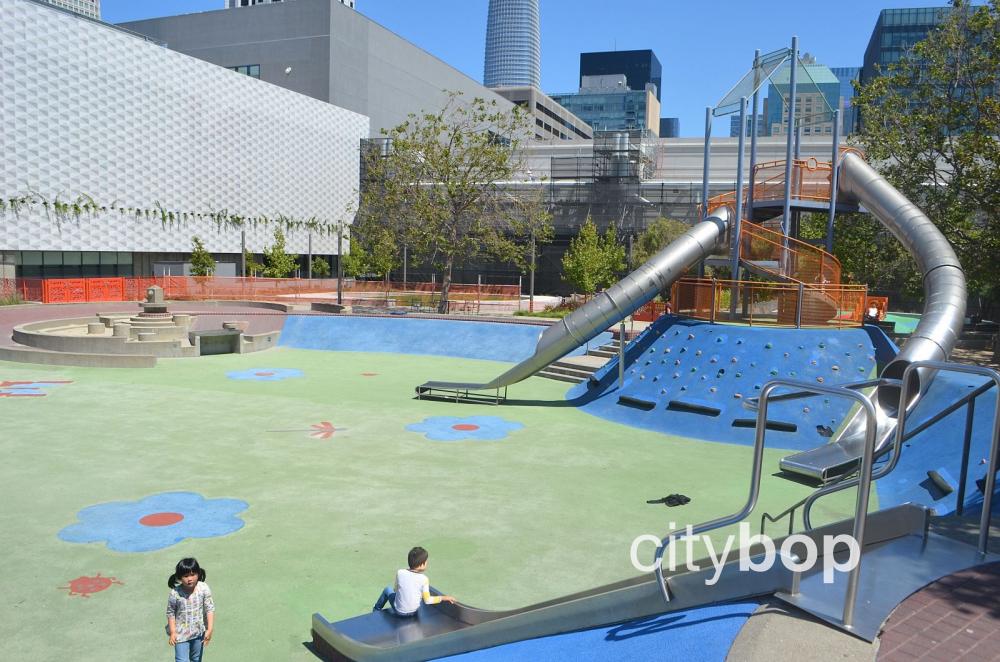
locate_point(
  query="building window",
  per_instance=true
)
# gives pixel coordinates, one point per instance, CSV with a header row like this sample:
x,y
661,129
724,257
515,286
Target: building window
x,y
252,70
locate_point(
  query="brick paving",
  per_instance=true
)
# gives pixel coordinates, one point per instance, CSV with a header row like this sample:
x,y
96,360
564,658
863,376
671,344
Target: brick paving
x,y
955,619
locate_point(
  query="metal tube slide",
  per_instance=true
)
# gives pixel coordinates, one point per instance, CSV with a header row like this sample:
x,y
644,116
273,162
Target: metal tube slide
x,y
932,340
944,281
613,304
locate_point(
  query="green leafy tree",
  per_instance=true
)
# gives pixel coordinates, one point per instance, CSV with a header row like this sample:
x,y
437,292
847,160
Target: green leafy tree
x,y
437,188
592,261
931,123
253,266
202,262
657,236
278,263
320,267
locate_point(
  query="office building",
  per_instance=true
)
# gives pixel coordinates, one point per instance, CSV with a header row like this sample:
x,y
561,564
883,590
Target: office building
x,y
670,127
639,67
90,8
550,120
231,4
323,49
734,124
817,94
895,33
607,103
848,113
160,143
513,44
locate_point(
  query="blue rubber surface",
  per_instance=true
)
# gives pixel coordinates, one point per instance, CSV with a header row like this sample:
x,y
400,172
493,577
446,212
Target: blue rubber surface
x,y
677,365
699,635
939,448
470,340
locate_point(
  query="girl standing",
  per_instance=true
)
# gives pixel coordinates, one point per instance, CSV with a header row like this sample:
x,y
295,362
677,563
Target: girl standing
x,y
190,611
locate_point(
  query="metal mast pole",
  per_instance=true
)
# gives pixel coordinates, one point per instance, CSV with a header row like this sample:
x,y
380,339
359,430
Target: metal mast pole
x,y
786,213
833,180
735,254
704,177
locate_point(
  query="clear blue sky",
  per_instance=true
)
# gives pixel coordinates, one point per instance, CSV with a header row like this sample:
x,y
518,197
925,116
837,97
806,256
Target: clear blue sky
x,y
704,47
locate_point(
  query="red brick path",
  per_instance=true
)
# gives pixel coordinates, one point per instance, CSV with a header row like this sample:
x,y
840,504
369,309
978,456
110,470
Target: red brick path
x,y
956,618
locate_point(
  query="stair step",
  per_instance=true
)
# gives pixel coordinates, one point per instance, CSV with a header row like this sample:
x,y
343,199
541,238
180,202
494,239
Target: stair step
x,y
560,377
572,371
603,353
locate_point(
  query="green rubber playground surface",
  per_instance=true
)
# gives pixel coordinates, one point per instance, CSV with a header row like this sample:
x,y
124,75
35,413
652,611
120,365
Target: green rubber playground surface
x,y
300,519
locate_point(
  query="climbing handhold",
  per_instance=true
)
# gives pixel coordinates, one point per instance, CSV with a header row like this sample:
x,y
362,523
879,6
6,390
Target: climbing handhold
x,y
676,375
739,374
666,351
822,345
713,389
737,395
739,341
694,369
819,379
836,367
802,346
690,336
805,410
721,372
683,349
768,345
813,362
792,373
861,369
774,371
642,377
704,377
684,388
677,361
698,353
753,364
734,360
787,355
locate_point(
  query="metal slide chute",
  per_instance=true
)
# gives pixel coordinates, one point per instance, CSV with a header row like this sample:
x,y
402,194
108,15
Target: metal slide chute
x,y
610,306
935,336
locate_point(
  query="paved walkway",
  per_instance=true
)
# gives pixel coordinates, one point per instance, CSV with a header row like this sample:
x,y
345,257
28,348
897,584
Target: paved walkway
x,y
955,618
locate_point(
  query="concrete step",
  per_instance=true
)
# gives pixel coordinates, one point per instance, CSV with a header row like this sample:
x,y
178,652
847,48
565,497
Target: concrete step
x,y
569,371
603,353
560,377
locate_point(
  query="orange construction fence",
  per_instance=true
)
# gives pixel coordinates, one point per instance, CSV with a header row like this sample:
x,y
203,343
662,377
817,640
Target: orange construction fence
x,y
82,290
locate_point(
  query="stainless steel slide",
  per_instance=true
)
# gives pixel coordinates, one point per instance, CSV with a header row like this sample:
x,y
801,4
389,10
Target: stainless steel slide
x,y
612,305
451,629
935,335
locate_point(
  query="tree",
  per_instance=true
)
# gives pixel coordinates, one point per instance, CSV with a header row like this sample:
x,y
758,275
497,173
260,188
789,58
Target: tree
x,y
931,124
202,262
278,263
592,261
438,188
657,236
320,267
253,267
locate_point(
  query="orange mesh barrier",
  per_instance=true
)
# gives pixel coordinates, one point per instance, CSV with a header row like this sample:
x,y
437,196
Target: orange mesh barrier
x,y
785,257
28,289
651,311
773,304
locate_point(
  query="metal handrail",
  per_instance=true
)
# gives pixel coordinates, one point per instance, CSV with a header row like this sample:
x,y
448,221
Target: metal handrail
x,y
902,436
991,472
861,511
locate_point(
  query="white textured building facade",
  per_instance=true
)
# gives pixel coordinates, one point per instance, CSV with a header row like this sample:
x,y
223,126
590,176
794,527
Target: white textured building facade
x,y
94,113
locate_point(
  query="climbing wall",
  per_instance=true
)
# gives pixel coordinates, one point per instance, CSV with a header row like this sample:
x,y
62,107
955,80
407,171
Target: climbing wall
x,y
694,379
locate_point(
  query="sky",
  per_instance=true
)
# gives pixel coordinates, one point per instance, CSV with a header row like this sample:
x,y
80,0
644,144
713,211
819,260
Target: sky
x,y
704,47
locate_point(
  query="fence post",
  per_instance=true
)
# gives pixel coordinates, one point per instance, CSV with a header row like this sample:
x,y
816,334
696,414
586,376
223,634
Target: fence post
x,y
621,354
711,315
798,307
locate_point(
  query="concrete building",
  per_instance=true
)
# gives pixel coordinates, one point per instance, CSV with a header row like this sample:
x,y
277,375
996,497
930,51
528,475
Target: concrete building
x,y
551,121
117,151
322,49
607,103
513,44
91,8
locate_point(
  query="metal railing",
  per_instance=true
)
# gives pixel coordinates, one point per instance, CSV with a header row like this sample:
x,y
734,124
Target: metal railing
x,y
901,436
861,510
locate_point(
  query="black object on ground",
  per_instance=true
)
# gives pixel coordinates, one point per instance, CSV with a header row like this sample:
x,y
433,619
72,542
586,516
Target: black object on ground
x,y
672,500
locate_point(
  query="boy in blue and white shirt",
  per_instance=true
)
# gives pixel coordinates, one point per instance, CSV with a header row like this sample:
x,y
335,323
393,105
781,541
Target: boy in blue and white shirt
x,y
411,587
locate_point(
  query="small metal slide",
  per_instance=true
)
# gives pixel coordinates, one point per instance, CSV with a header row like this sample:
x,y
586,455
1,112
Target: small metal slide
x,y
933,339
610,306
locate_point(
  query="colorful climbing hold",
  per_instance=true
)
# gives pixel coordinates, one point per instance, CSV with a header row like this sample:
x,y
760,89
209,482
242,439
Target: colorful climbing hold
x,y
768,345
819,379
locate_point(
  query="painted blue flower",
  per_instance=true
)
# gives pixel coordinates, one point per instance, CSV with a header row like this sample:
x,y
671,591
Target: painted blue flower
x,y
155,522
265,374
453,428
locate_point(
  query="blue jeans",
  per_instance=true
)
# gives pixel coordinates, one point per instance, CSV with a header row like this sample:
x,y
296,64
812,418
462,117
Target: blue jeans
x,y
389,597
189,651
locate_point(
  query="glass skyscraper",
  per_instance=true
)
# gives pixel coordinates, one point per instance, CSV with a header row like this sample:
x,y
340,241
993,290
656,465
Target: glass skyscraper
x,y
513,44
639,67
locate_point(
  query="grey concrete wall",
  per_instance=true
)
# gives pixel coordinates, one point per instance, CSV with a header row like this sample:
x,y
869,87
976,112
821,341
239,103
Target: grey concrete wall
x,y
25,355
336,55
